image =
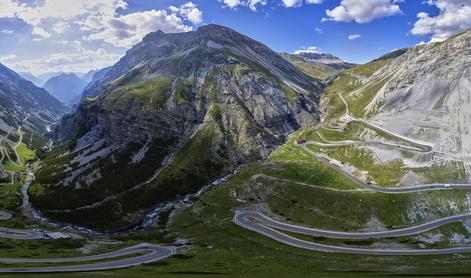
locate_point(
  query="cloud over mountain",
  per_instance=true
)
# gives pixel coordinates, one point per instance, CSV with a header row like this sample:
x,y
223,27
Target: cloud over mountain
x,y
454,16
88,34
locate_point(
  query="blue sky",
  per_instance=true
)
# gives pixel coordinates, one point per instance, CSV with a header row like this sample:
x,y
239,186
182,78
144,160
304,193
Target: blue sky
x,y
76,35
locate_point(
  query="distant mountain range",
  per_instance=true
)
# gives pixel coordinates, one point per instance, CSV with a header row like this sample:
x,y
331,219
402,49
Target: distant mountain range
x,y
21,102
317,65
28,76
65,87
39,80
88,76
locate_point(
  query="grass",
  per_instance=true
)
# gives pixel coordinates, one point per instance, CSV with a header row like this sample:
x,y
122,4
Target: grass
x,y
25,153
183,91
219,247
453,172
385,174
292,162
317,70
290,94
151,94
210,86
357,104
370,68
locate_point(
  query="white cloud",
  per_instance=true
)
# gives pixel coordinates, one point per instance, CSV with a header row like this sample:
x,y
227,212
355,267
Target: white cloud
x,y
78,35
297,3
354,36
60,27
421,43
78,59
310,49
41,13
292,3
319,30
6,31
100,19
233,3
362,11
127,30
7,58
454,17
252,4
189,11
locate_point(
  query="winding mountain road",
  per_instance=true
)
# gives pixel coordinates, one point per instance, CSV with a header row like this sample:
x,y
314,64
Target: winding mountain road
x,y
264,225
376,188
151,252
420,228
259,226
347,118
147,253
16,233
4,215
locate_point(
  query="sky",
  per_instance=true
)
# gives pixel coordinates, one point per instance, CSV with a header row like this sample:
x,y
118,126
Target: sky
x,y
40,36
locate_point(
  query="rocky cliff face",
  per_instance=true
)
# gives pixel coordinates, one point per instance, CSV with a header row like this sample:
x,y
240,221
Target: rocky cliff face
x,y
428,95
323,58
184,108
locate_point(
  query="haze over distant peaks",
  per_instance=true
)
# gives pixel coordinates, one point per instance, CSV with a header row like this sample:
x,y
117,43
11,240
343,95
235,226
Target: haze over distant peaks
x,y
317,65
20,99
65,87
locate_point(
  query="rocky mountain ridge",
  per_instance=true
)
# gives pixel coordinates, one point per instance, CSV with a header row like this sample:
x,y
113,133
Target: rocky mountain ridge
x,y
187,106
428,94
317,65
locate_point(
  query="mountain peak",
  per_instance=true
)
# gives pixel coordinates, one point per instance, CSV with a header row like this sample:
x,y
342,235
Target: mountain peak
x,y
212,97
323,58
159,47
65,86
215,28
154,36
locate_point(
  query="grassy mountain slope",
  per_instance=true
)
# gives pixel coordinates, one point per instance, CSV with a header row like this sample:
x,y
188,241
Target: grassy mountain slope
x,y
179,110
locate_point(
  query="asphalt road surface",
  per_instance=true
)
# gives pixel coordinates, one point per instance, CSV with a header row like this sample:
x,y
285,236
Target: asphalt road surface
x,y
264,225
267,221
148,253
259,227
4,215
376,188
